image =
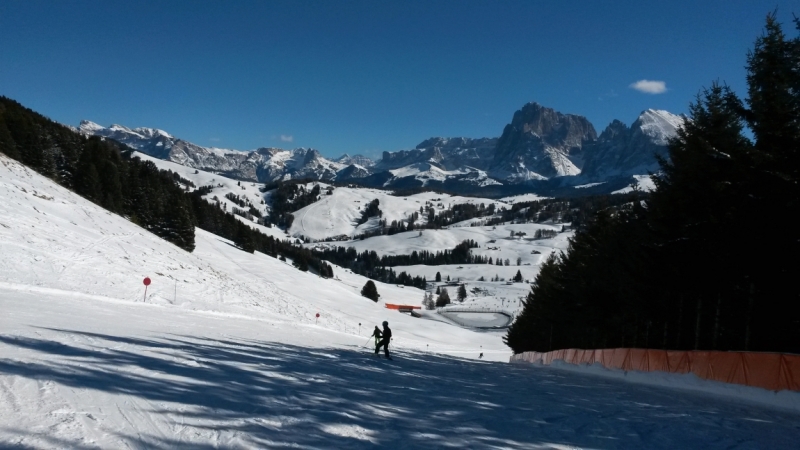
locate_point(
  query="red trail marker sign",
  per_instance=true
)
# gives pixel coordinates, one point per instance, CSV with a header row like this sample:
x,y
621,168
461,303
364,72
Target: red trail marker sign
x,y
146,283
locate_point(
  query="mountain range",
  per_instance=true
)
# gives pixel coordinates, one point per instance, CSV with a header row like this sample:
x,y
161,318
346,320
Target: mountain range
x,y
540,147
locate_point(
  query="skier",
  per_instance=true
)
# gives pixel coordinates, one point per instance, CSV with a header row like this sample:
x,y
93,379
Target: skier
x,y
377,335
387,336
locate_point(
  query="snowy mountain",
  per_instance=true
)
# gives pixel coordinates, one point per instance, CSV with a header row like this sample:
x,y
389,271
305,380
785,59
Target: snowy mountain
x,y
446,153
539,145
358,160
624,151
262,165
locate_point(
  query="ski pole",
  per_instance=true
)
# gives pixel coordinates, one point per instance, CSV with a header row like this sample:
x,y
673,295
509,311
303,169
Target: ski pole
x,y
365,343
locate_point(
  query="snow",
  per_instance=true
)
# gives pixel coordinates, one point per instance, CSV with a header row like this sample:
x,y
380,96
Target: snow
x,y
523,198
336,214
225,351
644,182
244,189
660,125
688,381
426,172
588,185
89,126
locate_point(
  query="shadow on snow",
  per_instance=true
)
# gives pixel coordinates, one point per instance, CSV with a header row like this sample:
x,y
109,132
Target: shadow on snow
x,y
276,395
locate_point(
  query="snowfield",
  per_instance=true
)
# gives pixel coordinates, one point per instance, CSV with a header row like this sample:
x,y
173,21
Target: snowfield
x,y
336,214
225,351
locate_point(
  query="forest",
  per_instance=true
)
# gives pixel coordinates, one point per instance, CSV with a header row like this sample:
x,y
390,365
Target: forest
x,y
709,260
106,173
369,264
101,171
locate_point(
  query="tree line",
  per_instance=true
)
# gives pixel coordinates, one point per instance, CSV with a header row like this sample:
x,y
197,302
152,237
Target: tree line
x,y
105,172
102,171
369,264
709,261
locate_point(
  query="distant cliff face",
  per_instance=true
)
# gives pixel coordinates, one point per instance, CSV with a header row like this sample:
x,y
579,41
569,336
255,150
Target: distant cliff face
x,y
621,150
541,143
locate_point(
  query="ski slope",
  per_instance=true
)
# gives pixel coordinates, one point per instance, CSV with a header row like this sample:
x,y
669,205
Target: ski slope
x,y
225,351
52,238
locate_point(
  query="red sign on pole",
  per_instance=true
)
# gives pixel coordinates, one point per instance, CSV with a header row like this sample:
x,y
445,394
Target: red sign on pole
x,y
315,320
146,283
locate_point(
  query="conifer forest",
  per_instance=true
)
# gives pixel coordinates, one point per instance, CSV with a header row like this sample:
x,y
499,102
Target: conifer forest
x,y
670,271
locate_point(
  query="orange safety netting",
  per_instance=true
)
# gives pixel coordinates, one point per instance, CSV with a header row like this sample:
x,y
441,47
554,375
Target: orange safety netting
x,y
773,371
393,306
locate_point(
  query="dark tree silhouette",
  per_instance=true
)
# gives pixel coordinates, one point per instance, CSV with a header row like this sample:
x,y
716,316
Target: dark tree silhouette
x,y
370,291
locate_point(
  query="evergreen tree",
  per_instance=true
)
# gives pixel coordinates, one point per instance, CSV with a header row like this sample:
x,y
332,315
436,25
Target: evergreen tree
x,y
518,277
443,299
669,273
462,293
370,291
427,301
438,277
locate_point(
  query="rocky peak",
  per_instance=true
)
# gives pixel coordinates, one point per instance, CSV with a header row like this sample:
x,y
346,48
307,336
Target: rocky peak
x,y
658,125
359,160
613,131
623,151
541,143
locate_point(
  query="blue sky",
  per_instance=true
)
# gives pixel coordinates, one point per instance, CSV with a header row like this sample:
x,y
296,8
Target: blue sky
x,y
366,76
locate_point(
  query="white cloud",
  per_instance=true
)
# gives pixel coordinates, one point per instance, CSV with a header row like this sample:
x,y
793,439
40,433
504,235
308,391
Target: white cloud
x,y
287,138
650,86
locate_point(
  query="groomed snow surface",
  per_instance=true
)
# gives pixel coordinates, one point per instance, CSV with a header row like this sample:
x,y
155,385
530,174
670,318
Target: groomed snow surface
x,y
226,352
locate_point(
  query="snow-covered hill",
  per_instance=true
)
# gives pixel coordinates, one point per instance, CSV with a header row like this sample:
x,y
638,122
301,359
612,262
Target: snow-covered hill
x,y
336,214
52,239
225,351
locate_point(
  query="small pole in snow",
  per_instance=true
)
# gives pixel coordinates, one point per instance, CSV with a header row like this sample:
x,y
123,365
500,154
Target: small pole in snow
x,y
359,328
175,297
316,319
146,283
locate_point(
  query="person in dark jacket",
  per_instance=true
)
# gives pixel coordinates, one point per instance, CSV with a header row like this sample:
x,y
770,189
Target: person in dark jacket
x,y
387,336
377,335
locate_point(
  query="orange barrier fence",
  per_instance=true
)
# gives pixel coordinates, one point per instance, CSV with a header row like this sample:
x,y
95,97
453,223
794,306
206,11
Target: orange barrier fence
x,y
409,307
773,371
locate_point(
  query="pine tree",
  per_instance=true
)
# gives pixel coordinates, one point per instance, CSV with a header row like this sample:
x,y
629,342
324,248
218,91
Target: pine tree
x,y
438,277
427,301
518,277
370,291
443,299
462,293
681,252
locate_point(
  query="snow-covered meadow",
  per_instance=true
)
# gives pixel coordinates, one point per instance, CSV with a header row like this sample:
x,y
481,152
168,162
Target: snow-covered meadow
x,y
225,351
